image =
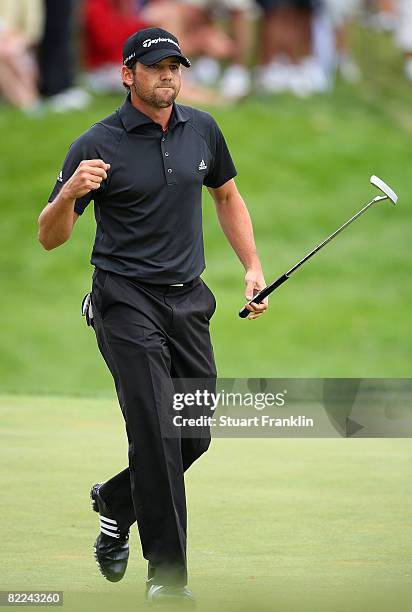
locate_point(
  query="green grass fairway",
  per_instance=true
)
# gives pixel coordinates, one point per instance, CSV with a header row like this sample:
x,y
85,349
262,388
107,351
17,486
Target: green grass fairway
x,y
288,525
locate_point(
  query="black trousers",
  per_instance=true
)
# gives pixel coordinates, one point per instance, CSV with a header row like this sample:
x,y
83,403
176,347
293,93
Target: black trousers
x,y
148,336
55,53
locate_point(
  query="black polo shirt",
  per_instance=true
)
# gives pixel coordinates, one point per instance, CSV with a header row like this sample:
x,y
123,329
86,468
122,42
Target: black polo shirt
x,y
149,210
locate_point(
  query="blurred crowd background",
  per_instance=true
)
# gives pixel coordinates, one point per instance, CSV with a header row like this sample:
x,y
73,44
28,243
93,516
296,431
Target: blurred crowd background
x,y
54,55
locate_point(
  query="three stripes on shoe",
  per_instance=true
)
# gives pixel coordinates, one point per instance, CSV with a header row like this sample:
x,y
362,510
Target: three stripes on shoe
x,y
109,527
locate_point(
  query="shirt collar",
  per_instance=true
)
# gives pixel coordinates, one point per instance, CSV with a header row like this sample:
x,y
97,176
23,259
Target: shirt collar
x,y
132,118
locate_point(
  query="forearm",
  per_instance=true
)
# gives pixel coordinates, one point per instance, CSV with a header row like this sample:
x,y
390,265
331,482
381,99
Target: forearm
x,y
235,221
56,221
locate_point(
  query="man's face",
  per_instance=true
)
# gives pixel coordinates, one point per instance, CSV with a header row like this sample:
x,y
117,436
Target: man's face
x,y
157,85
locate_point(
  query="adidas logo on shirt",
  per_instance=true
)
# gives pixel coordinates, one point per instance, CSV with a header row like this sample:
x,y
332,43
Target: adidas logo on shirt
x,y
60,177
202,165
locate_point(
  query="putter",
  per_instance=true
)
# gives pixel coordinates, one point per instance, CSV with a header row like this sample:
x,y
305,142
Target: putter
x,y
389,194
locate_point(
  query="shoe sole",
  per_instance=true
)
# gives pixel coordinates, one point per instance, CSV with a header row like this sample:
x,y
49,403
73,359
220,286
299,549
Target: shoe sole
x,y
98,564
95,508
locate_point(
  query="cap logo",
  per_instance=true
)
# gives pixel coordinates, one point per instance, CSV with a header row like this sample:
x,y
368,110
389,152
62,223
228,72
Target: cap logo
x,y
154,41
129,57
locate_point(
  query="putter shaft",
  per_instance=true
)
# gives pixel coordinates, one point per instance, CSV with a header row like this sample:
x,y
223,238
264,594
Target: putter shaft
x,y
259,297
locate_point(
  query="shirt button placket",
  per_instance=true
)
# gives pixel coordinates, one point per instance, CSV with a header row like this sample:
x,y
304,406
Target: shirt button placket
x,y
166,162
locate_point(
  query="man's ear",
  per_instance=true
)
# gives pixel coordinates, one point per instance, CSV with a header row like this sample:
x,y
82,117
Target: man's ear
x,y
127,76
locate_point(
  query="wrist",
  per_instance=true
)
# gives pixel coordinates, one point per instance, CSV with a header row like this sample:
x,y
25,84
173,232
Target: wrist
x,y
253,265
66,194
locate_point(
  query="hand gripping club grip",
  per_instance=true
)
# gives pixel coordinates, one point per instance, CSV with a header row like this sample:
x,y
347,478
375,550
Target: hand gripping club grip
x,y
259,297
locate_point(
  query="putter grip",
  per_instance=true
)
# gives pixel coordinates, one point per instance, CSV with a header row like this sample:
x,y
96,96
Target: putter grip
x,y
259,297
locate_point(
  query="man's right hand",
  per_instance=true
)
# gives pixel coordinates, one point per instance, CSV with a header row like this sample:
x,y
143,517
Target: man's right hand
x,y
88,177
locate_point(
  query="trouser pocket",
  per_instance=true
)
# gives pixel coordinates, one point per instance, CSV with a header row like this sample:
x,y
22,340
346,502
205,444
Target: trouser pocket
x,y
210,299
98,290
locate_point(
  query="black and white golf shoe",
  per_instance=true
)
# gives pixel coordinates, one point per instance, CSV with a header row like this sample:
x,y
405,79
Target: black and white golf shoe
x,y
165,595
111,549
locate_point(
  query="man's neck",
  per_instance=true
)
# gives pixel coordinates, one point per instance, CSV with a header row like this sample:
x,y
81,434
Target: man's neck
x,y
158,115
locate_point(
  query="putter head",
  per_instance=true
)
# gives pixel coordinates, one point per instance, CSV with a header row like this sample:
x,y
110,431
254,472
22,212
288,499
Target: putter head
x,y
380,184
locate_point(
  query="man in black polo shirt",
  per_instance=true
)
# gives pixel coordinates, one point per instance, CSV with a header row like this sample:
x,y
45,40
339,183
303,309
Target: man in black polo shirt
x,y
144,167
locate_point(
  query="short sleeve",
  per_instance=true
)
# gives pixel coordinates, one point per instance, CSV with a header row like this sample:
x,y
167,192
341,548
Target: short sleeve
x,y
79,151
222,168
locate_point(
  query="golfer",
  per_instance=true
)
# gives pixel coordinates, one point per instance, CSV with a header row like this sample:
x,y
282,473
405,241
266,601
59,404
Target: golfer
x,y
144,166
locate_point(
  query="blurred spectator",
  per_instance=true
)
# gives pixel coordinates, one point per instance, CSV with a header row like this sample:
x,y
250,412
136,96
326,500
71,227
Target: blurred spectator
x,y
107,23
341,14
21,24
287,62
56,58
206,39
404,34
383,14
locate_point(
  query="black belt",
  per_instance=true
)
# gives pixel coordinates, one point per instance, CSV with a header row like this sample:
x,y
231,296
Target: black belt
x,y
154,285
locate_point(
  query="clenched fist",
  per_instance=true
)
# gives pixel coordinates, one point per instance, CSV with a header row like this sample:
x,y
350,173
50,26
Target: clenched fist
x,y
88,176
